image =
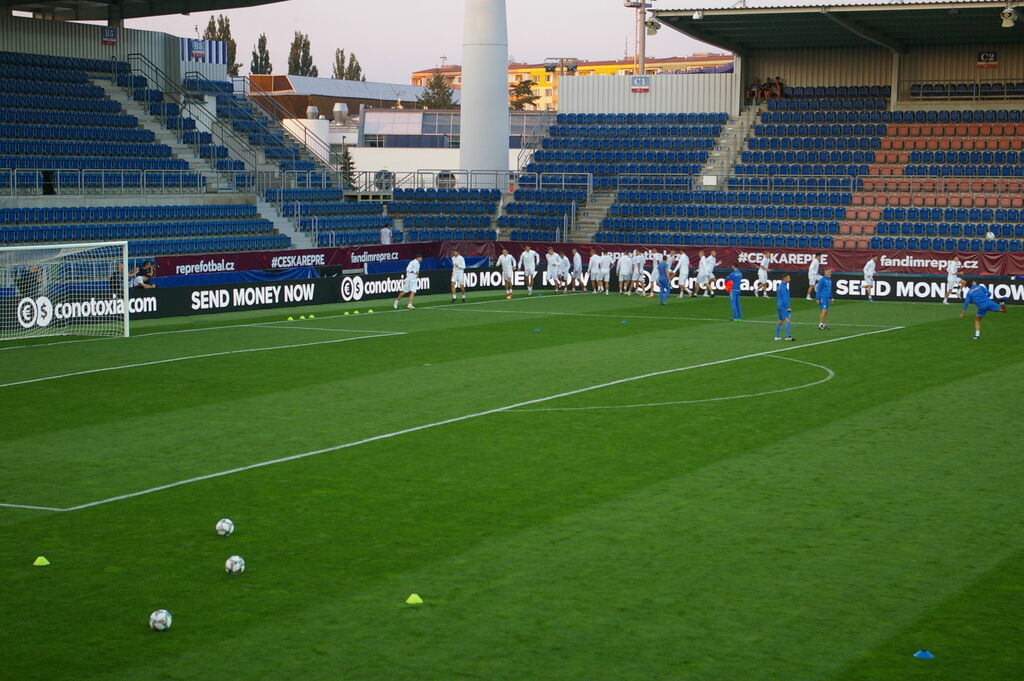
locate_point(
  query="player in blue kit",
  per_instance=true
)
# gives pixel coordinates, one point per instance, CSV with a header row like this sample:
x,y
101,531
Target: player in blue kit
x,y
981,298
663,285
736,279
785,310
823,292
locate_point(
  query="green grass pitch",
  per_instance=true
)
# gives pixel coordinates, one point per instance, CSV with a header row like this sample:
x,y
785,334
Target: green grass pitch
x,y
631,492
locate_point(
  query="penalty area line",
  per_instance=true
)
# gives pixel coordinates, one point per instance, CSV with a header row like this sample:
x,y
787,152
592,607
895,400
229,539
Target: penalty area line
x,y
465,417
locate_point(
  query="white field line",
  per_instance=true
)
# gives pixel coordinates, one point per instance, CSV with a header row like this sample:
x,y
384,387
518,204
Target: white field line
x,y
828,377
466,417
189,357
33,508
635,316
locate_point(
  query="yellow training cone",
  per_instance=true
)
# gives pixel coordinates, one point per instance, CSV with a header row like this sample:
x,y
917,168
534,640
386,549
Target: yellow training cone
x,y
355,312
312,317
414,600
291,319
370,311
302,316
346,313
41,560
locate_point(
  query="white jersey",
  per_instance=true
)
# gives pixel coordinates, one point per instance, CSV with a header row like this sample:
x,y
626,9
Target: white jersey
x,y
566,264
507,264
412,270
869,269
639,261
625,265
528,261
951,268
606,264
763,263
812,270
458,265
682,266
594,266
577,264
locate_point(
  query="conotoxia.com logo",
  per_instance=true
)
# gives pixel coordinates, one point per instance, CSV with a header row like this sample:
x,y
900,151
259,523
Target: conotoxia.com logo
x,y
41,311
355,288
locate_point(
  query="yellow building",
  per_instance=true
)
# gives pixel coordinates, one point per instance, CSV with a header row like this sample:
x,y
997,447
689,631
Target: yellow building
x,y
545,76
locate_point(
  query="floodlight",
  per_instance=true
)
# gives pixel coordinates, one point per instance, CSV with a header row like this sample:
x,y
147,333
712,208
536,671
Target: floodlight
x,y
1009,17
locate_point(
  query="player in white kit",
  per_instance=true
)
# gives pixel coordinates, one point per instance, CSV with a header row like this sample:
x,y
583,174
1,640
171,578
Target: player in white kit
x,y
762,276
412,280
507,265
577,271
625,272
813,277
702,274
605,271
681,268
953,281
869,278
594,269
564,273
554,267
528,261
458,275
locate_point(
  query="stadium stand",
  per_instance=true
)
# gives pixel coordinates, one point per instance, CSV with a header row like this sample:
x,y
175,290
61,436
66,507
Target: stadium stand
x,y
453,214
150,230
331,220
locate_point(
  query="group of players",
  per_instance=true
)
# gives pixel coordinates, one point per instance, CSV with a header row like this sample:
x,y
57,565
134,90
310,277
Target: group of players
x,y
564,271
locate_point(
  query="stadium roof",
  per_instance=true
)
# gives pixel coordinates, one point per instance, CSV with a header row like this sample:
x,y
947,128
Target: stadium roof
x,y
895,26
103,10
352,89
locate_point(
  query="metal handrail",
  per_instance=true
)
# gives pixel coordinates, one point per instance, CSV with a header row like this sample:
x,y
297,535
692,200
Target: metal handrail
x,y
106,182
533,138
316,146
222,133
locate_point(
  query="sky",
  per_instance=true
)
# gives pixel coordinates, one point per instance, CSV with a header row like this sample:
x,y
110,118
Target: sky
x,y
393,39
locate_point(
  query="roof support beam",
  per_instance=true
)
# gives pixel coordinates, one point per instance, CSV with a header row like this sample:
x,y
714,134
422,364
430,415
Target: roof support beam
x,y
862,32
690,29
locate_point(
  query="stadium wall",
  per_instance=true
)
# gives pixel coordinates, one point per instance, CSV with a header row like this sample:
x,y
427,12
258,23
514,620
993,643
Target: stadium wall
x,y
959,63
678,93
802,67
401,160
69,39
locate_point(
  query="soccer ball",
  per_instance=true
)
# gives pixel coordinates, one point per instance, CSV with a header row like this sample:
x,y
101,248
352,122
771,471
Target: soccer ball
x,y
160,620
235,565
225,527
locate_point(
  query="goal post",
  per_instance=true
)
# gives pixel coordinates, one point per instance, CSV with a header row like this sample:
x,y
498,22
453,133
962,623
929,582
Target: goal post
x,y
76,289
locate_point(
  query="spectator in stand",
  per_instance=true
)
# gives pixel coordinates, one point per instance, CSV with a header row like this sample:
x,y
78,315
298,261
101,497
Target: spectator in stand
x,y
775,88
385,235
754,91
140,280
148,269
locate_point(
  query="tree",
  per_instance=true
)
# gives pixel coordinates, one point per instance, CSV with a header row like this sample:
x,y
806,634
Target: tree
x,y
339,65
354,70
521,95
261,57
220,29
300,61
348,168
436,94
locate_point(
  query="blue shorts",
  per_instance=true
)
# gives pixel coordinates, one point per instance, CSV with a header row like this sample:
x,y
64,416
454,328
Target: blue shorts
x,y
784,314
823,303
988,306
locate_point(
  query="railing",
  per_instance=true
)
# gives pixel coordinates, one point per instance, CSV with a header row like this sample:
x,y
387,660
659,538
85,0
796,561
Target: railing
x,y
117,182
308,139
977,89
386,180
557,181
533,139
191,107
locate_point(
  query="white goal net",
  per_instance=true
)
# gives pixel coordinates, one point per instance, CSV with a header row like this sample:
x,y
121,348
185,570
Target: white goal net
x,y
64,290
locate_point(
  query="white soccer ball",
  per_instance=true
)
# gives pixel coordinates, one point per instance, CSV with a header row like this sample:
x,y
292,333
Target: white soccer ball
x,y
235,565
990,235
160,620
225,527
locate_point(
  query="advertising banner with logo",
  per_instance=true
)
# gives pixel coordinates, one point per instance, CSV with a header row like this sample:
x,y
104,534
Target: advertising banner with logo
x,y
189,300
920,288
180,265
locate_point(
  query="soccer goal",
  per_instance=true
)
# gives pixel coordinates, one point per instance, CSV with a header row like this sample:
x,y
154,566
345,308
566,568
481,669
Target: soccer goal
x,y
64,290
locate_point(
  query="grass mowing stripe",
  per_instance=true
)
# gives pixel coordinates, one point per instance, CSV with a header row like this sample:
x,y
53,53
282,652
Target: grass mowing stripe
x,y
635,316
465,417
202,356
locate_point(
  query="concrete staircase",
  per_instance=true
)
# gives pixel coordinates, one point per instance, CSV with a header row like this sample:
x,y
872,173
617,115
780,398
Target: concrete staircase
x,y
284,225
164,136
723,158
591,215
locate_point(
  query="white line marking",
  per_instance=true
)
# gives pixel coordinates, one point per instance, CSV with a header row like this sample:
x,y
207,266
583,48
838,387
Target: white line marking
x,y
830,375
34,508
466,417
634,316
188,357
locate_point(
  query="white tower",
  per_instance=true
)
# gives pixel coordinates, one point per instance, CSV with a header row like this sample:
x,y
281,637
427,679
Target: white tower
x,y
484,142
